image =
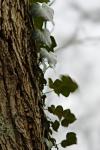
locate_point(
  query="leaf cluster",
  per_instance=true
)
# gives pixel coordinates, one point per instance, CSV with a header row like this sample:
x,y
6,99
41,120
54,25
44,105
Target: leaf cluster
x,y
65,118
41,13
65,85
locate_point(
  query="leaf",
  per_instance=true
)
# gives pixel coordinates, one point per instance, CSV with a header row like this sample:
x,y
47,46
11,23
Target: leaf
x,y
66,112
50,83
64,143
59,111
64,91
50,56
38,22
71,85
52,59
44,11
42,36
64,86
70,117
71,138
55,125
45,37
60,88
64,123
54,44
34,9
57,85
51,109
47,13
46,124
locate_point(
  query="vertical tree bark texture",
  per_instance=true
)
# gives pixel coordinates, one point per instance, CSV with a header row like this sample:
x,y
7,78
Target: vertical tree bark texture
x,y
20,88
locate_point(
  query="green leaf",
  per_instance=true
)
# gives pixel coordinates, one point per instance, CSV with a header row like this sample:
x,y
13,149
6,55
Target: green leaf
x,y
71,85
57,85
64,91
66,113
46,124
59,111
70,117
64,123
44,11
50,83
60,88
64,143
51,109
38,22
55,125
64,86
71,138
53,44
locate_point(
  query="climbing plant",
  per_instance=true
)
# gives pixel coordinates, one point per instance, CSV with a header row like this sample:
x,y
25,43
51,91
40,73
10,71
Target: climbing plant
x,y
41,13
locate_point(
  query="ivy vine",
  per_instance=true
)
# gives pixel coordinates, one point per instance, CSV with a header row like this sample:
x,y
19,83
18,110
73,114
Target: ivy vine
x,y
41,13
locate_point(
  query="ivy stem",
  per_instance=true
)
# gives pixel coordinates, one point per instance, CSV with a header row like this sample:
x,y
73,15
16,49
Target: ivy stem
x,y
58,143
48,92
45,109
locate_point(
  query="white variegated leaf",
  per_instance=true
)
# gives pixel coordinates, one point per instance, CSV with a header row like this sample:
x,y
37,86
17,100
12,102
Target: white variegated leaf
x,y
42,10
43,36
50,56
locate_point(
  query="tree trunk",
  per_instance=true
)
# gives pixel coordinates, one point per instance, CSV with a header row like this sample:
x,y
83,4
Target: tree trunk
x,y
21,115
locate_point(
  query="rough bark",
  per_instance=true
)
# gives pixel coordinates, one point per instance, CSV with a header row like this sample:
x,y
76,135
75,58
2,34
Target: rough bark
x,y
21,126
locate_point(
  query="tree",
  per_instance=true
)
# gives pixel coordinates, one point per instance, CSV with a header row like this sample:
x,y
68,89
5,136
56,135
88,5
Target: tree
x,y
24,35
21,80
